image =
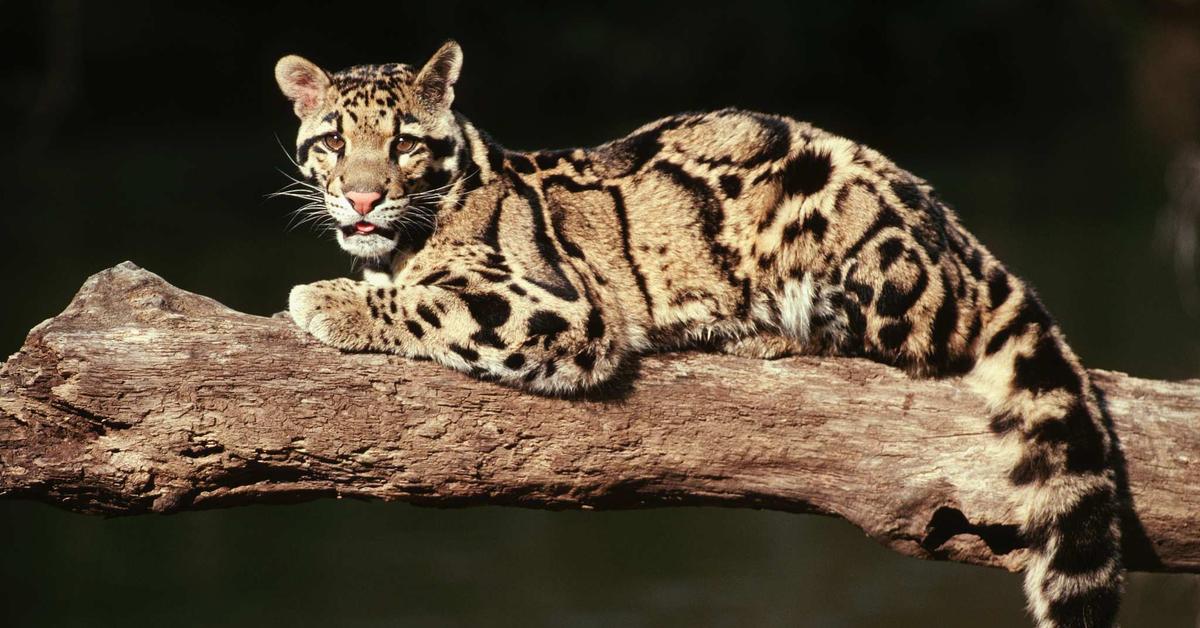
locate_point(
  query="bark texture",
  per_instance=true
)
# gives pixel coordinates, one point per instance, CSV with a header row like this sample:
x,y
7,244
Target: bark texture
x,y
141,397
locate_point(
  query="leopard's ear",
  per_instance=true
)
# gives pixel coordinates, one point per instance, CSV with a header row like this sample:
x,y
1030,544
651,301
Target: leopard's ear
x,y
303,82
435,83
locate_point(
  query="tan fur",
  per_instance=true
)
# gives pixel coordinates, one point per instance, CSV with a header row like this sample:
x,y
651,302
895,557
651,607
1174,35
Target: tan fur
x,y
751,233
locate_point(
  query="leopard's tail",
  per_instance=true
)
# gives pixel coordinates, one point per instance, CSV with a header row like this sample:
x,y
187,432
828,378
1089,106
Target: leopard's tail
x,y
1063,477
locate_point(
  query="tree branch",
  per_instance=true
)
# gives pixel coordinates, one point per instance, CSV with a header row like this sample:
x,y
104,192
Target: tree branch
x,y
142,397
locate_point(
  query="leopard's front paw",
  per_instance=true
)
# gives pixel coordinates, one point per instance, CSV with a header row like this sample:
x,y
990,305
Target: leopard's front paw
x,y
333,311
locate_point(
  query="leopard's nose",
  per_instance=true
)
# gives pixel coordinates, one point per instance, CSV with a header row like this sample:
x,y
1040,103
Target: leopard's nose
x,y
364,201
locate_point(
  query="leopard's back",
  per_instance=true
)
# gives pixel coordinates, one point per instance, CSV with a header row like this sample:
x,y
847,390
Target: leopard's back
x,y
734,223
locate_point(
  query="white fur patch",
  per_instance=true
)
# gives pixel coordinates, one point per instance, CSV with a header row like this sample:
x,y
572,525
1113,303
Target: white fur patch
x,y
377,277
796,307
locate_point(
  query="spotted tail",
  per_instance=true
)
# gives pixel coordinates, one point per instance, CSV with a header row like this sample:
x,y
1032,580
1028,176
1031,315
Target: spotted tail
x,y
1063,476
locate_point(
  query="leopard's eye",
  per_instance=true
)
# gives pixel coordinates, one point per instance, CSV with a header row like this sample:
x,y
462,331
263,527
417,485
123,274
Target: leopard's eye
x,y
405,145
334,142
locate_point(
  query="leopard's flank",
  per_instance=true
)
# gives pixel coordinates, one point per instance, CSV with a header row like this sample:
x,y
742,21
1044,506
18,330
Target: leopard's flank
x,y
753,233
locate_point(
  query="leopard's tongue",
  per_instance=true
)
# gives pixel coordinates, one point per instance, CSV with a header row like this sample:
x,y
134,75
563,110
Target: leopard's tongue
x,y
364,227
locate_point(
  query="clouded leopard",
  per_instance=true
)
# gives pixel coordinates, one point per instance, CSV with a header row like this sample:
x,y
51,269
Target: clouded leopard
x,y
759,233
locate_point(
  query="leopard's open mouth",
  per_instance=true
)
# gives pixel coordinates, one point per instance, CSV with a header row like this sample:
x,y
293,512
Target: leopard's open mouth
x,y
364,228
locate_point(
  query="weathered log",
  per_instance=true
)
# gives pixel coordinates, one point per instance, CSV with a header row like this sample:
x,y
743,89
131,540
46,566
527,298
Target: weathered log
x,y
141,397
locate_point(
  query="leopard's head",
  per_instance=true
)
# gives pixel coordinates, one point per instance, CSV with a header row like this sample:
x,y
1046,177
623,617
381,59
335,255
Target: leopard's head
x,y
378,147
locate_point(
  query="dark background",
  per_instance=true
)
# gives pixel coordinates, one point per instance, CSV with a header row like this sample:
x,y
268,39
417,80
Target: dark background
x,y
150,132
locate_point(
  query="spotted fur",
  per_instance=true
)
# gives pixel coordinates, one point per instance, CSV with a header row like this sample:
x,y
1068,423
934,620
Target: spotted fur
x,y
753,232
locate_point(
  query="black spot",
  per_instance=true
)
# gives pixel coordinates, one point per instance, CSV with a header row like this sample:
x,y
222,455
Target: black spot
x,y
521,163
547,324
998,288
791,232
1052,432
586,359
1004,423
559,285
440,148
548,160
517,290
816,224
930,237
495,155
496,261
556,222
550,369
305,147
889,251
1030,313
414,328
637,150
595,324
488,337
895,301
387,320
424,312
807,174
623,221
514,361
1034,466
886,218
488,309
641,148
493,277
908,193
1094,607
491,235
1077,431
1085,543
712,216
974,263
470,355
743,306
455,282
701,194
432,277
945,321
731,185
563,290
893,335
580,163
1046,369
975,328
1086,451
775,145
856,322
374,310
864,293
435,178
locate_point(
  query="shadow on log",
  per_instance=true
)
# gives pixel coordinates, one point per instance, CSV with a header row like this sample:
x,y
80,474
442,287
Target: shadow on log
x,y
142,397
